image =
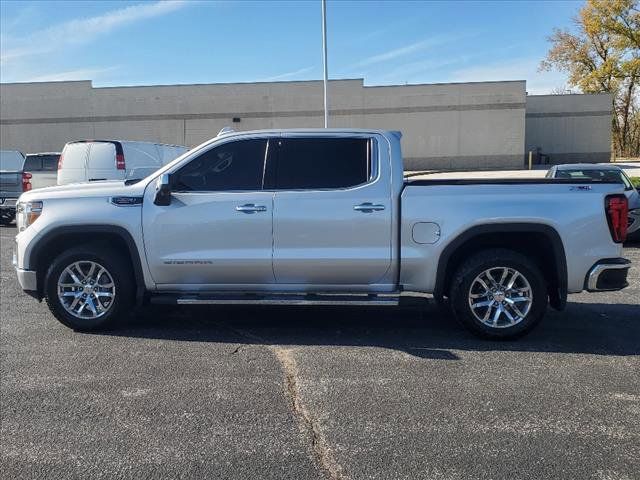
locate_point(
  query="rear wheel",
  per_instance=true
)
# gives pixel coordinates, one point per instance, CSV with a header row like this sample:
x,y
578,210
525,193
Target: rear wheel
x,y
498,294
89,288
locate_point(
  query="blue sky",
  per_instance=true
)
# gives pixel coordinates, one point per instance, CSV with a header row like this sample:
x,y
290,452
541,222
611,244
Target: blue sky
x,y
141,43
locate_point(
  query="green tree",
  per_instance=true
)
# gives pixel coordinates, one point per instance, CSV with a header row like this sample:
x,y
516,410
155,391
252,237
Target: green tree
x,y
602,54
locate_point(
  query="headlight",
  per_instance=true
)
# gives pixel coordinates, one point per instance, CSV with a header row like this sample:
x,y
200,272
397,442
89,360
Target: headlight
x,y
27,213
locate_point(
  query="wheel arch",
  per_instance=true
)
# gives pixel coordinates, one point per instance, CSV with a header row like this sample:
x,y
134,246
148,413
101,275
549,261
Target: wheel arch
x,y
55,241
543,243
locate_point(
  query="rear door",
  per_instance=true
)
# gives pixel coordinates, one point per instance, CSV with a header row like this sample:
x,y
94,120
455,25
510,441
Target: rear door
x,y
101,163
74,163
332,221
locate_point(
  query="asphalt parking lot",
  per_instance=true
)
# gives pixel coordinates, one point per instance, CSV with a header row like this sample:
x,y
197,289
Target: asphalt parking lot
x,y
320,393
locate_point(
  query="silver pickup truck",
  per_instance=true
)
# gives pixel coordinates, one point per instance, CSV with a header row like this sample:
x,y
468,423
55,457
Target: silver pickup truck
x,y
318,217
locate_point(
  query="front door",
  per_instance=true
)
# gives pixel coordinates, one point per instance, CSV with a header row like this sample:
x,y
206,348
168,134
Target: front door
x,y
217,231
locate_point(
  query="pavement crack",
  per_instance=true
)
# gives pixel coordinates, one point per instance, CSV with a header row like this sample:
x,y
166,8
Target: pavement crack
x,y
321,451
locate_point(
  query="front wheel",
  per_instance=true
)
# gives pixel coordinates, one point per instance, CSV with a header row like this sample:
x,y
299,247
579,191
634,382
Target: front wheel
x,y
498,294
89,287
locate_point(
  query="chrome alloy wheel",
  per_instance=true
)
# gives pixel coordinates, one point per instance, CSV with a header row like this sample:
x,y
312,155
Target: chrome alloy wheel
x,y
86,289
500,297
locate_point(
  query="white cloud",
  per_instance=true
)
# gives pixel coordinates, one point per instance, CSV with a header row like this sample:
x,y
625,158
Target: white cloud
x,y
80,74
411,70
82,30
525,69
406,50
287,75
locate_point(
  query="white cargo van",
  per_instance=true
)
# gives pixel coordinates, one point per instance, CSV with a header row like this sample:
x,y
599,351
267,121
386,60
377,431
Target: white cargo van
x,y
94,160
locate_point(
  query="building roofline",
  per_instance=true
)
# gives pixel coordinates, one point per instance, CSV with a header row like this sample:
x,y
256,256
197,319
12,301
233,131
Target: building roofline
x,y
231,83
51,81
444,83
569,94
279,82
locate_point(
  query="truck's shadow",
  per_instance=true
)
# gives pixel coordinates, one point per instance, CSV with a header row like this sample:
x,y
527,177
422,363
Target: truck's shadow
x,y
601,329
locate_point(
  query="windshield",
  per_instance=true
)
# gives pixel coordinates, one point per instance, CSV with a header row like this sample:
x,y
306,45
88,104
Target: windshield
x,y
11,161
601,175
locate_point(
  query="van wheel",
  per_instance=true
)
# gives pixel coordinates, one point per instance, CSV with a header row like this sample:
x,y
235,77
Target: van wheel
x,y
7,217
89,288
498,294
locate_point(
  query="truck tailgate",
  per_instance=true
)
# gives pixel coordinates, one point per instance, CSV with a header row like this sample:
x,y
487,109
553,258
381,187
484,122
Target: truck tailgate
x,y
10,184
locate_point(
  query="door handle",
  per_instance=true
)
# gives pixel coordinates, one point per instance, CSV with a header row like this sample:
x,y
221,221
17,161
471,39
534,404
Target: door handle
x,y
251,208
368,207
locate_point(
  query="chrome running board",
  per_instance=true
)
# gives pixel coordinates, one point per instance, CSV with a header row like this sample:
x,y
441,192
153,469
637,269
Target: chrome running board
x,y
279,299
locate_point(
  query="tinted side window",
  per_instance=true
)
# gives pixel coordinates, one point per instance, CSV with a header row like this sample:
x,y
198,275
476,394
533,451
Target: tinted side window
x,y
50,162
233,166
310,163
33,164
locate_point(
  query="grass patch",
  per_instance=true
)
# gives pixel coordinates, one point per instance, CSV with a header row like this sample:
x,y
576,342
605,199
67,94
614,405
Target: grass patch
x,y
635,181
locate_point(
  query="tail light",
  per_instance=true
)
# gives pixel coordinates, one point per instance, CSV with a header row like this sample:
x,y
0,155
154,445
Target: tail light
x,y
617,208
120,165
60,161
26,181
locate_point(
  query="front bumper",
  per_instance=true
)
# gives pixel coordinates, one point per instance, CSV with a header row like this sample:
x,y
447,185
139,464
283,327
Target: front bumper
x,y
27,279
608,275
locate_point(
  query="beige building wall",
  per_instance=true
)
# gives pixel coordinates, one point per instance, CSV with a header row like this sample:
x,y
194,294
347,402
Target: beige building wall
x,y
569,128
445,126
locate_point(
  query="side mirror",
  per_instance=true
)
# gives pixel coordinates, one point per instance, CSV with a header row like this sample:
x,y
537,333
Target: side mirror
x,y
163,190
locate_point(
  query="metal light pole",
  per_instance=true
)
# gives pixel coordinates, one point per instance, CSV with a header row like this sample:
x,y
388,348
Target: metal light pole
x,y
324,57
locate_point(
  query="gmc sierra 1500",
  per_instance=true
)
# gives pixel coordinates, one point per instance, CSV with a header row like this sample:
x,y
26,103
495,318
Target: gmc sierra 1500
x,y
318,217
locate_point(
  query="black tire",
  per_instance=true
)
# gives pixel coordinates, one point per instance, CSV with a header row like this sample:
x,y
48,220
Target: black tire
x,y
7,217
464,277
120,272
634,238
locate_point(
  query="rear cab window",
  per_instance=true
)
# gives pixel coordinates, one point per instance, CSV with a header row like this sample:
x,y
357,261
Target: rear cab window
x,y
318,163
50,163
11,161
33,163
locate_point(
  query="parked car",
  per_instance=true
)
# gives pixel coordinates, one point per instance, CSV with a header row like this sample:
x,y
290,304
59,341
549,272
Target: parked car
x,y
609,173
13,181
92,160
43,168
319,217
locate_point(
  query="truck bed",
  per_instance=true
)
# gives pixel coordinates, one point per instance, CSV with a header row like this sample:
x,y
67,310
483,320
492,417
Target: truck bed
x,y
450,207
